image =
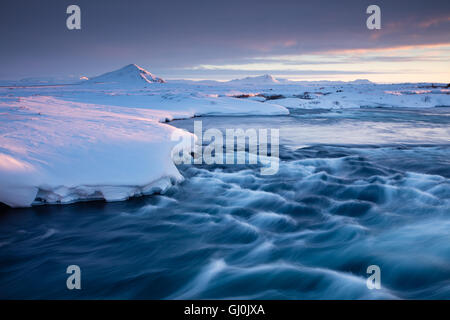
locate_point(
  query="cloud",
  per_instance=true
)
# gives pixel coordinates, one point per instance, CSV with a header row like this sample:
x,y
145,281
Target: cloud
x,y
434,21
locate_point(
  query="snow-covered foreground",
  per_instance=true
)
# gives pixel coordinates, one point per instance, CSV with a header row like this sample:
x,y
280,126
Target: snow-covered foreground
x,y
103,138
61,151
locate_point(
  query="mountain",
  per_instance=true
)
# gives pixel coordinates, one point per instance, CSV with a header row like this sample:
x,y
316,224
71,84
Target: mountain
x,y
131,74
264,79
360,81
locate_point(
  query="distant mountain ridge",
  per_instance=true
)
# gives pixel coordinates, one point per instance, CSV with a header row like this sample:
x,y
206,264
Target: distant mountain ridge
x,y
268,79
264,79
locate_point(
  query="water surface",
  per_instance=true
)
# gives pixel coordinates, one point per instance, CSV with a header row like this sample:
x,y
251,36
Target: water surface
x,y
354,188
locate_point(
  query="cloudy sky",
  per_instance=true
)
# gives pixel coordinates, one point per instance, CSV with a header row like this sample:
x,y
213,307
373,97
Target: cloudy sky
x,y
212,39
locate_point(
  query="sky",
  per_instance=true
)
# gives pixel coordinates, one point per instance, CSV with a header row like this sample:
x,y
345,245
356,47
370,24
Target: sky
x,y
221,40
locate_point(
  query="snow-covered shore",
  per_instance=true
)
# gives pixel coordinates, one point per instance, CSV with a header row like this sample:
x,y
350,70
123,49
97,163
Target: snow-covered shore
x,y
60,151
104,139
62,144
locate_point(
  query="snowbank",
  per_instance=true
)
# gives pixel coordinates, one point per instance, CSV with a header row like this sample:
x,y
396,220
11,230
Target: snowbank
x,y
57,151
182,104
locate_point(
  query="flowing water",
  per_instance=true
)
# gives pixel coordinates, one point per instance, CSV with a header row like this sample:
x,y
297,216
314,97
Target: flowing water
x,y
354,188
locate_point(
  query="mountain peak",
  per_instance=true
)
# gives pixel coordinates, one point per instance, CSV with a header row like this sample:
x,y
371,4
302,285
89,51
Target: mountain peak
x,y
361,81
131,74
263,79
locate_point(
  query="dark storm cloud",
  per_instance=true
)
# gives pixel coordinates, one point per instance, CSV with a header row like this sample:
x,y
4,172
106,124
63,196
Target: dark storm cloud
x,y
172,34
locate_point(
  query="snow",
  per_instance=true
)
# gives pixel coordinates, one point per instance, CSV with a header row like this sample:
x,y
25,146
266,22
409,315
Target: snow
x,y
63,151
103,138
350,95
361,95
62,144
130,75
258,80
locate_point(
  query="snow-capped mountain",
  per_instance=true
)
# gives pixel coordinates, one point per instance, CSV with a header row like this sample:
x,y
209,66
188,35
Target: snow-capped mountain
x,y
131,74
264,79
360,81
